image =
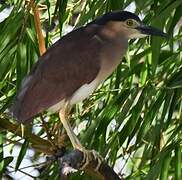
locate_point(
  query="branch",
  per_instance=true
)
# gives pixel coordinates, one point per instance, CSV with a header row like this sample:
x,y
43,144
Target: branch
x,y
40,37
39,144
72,162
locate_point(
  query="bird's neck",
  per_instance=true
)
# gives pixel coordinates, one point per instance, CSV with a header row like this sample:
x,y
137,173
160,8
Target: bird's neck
x,y
113,31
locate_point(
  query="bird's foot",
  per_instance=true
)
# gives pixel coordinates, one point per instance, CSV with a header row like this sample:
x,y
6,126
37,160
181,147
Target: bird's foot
x,y
91,158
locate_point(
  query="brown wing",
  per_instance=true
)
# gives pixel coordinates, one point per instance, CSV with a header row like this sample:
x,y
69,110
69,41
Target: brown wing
x,y
67,65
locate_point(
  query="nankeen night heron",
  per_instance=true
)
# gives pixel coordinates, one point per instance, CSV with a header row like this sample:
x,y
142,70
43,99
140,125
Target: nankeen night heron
x,y
75,65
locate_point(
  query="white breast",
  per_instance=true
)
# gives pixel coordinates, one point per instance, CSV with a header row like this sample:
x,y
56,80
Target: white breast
x,y
84,91
80,94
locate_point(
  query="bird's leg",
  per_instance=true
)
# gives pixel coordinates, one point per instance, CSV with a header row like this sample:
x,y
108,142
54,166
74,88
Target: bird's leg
x,y
63,114
88,155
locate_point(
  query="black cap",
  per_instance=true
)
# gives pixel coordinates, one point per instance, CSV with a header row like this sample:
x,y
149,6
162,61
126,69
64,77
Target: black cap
x,y
115,16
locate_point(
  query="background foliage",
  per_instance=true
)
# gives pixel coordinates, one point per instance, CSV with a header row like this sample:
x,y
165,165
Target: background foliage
x,y
134,119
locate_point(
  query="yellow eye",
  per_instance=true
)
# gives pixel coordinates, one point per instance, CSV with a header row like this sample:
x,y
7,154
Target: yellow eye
x,y
130,22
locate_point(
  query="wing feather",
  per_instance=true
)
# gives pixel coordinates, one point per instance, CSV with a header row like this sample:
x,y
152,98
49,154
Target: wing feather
x,y
66,66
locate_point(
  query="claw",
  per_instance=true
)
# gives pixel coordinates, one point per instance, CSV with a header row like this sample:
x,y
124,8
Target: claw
x,y
89,156
99,159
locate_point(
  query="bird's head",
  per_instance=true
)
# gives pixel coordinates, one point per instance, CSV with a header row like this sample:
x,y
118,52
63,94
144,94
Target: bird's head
x,y
129,24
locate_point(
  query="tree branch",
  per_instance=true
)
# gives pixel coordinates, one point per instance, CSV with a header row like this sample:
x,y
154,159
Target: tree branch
x,y
39,144
40,37
72,161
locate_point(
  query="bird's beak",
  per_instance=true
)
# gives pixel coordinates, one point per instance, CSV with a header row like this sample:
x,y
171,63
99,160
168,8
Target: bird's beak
x,y
149,30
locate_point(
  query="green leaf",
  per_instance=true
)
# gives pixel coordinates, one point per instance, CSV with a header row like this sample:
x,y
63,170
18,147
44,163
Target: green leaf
x,y
21,154
177,162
